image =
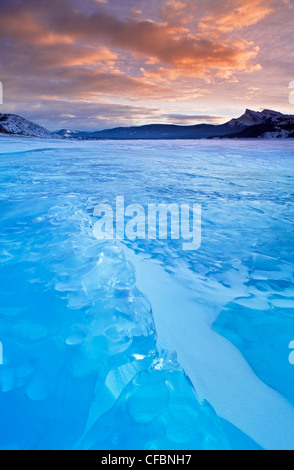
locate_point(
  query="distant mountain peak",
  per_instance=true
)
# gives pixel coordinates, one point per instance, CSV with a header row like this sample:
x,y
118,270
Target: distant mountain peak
x,y
253,118
249,118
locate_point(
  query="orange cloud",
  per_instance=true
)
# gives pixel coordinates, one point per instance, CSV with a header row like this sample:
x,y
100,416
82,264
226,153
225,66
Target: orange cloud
x,y
25,26
102,58
160,42
239,15
83,51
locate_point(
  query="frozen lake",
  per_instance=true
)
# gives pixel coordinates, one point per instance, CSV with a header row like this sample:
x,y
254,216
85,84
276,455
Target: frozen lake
x,y
105,343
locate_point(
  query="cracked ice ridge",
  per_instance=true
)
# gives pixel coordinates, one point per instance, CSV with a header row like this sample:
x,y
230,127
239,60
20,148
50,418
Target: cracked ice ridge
x,y
81,353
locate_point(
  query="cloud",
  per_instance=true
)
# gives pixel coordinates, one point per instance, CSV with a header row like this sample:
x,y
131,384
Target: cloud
x,y
171,55
241,14
178,11
83,84
187,120
163,42
83,115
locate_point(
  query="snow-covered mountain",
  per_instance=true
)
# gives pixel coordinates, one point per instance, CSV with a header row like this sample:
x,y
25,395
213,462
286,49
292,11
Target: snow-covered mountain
x,y
16,125
253,118
267,116
266,124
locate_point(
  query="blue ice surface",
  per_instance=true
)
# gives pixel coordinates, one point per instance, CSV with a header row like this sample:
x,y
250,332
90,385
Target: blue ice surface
x,y
83,366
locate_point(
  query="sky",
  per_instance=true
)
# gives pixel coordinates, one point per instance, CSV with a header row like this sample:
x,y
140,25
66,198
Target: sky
x,y
95,64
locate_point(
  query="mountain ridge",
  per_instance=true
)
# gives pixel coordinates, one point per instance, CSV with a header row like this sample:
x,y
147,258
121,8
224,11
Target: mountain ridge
x,y
12,124
252,124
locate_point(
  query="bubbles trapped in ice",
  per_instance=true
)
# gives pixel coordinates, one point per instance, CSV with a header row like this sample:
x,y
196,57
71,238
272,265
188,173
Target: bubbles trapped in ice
x,y
81,360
